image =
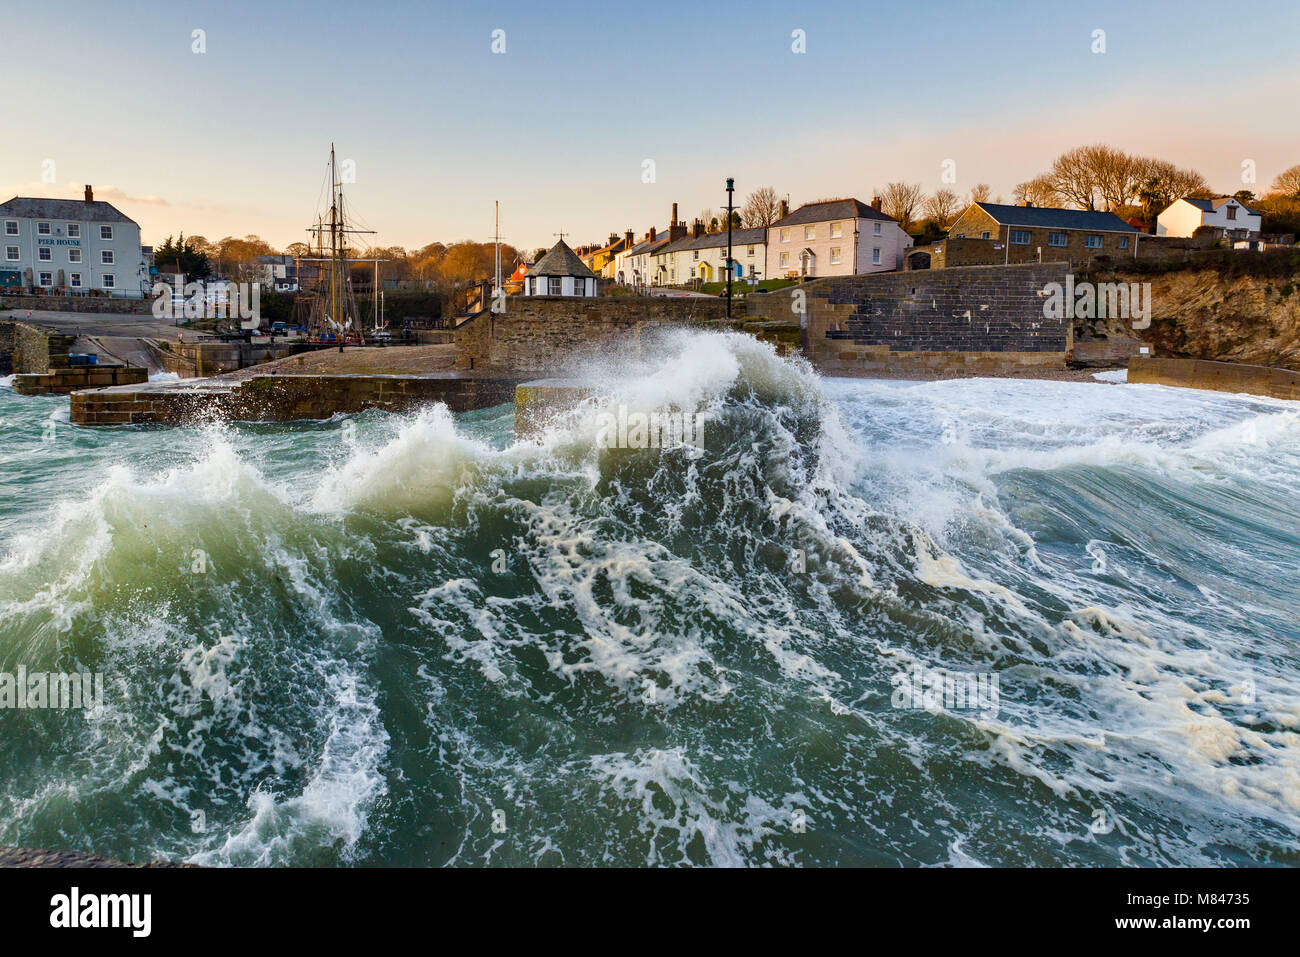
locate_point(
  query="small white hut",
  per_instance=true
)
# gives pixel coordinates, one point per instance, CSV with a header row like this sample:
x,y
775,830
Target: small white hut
x,y
560,273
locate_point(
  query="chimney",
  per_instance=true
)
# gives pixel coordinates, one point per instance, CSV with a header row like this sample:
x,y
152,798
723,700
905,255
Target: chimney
x,y
627,239
673,222
697,230
785,208
90,194
651,234
1029,203
613,238
875,203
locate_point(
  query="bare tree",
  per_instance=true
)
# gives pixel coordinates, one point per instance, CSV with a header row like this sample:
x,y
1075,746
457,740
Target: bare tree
x,y
980,193
901,201
762,208
943,207
1161,183
1074,177
1287,182
1041,191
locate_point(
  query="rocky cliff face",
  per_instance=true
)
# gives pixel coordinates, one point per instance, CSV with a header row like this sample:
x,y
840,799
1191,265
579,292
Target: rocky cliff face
x,y
1202,314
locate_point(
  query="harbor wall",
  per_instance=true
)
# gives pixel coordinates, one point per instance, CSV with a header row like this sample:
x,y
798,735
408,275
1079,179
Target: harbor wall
x,y
963,320
114,304
284,398
28,349
67,381
1215,376
543,334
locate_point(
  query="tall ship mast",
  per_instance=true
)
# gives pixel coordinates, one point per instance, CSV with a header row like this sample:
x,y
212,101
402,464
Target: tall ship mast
x,y
329,305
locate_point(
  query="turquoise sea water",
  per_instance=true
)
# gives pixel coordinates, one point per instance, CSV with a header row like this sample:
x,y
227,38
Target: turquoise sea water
x,y
413,640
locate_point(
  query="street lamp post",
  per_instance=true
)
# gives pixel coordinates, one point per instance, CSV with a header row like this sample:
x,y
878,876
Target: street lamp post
x,y
731,186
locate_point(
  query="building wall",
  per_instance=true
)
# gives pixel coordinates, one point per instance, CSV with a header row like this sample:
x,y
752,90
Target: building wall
x,y
128,257
966,320
855,250
681,266
590,285
975,221
1180,219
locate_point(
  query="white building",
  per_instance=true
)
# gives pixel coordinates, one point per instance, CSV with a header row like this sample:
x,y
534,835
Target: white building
x,y
840,237
71,247
1229,217
560,273
702,256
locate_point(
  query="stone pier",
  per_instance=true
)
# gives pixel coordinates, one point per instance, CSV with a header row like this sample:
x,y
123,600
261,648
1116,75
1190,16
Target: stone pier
x,y
284,398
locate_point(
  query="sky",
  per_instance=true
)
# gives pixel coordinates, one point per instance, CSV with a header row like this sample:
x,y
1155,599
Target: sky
x,y
561,126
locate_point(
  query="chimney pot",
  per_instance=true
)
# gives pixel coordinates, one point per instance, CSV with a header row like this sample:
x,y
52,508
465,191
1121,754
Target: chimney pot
x,y
697,229
90,194
627,239
674,222
652,234
785,208
1029,203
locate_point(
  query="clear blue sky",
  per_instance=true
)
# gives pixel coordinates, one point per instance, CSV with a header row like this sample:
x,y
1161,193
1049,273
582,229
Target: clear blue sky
x,y
234,140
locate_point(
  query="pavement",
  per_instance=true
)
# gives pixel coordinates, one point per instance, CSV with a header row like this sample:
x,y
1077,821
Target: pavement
x,y
95,323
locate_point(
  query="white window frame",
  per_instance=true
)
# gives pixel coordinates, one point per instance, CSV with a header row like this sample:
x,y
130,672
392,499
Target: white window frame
x,y
785,260
875,255
44,254
579,286
74,230
46,279
554,286
809,233
985,234
106,233
43,229
875,228
835,255
74,255
8,230
75,280
837,230
785,234
106,257
13,254
109,281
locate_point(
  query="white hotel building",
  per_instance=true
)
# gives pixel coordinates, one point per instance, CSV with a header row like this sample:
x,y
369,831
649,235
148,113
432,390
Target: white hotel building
x,y
71,246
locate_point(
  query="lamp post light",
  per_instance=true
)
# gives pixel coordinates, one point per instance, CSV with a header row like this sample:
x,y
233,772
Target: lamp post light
x,y
731,186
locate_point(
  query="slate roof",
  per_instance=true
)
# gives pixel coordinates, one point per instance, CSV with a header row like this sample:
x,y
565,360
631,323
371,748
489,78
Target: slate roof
x,y
561,261
739,237
1210,205
1045,217
646,246
834,209
72,210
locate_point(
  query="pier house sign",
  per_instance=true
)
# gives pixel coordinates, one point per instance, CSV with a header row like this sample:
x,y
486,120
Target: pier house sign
x,y
58,242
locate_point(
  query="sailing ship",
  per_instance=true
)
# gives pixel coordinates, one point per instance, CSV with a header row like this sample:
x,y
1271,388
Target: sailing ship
x,y
327,306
